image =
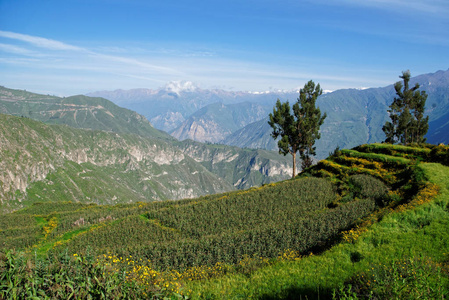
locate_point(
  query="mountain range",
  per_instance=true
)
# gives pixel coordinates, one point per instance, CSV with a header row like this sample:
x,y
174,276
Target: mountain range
x,y
354,116
88,149
168,107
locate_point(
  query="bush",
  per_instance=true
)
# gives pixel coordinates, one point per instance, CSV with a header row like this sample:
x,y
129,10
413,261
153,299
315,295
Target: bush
x,y
366,186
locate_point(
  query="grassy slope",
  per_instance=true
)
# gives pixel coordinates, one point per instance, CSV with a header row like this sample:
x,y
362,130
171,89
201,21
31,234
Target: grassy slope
x,y
406,233
423,231
78,112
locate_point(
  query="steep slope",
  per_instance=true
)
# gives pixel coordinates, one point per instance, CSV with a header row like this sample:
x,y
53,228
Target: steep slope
x,y
101,114
256,135
216,121
353,117
243,168
356,117
437,106
39,162
76,111
376,216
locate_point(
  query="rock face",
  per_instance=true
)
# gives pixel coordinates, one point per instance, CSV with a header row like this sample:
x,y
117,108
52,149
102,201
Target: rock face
x,y
169,120
215,122
243,168
124,167
118,156
200,130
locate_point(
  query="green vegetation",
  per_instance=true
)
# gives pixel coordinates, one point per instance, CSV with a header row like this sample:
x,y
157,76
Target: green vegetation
x,y
77,112
300,130
408,124
360,224
53,163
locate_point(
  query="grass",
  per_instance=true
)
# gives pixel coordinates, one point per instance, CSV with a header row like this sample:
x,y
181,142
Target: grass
x,y
398,251
397,237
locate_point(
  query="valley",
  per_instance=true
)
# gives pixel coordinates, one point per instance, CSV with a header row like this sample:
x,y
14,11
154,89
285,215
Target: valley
x,y
91,146
96,202
354,116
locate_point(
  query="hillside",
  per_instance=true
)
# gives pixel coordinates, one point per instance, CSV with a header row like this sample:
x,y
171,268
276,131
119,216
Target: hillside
x,y
56,162
59,163
372,216
256,135
243,168
356,117
101,114
76,111
216,121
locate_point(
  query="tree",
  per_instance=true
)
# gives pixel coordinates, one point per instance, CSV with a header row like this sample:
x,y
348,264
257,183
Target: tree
x,y
408,124
310,121
298,131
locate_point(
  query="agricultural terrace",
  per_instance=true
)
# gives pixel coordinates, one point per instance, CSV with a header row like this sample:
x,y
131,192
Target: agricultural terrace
x,y
368,222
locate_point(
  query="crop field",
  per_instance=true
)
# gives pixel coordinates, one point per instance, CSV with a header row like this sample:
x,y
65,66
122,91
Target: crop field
x,y
368,222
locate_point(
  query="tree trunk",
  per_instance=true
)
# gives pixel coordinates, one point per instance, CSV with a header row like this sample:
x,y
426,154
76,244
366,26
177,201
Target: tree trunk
x,y
294,164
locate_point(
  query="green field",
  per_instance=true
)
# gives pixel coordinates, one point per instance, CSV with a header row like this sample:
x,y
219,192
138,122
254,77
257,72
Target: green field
x,y
368,222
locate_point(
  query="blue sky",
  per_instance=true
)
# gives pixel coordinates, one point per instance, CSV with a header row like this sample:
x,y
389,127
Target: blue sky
x,y
78,46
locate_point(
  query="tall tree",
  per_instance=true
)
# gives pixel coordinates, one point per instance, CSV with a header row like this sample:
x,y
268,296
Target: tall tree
x,y
408,124
310,121
298,130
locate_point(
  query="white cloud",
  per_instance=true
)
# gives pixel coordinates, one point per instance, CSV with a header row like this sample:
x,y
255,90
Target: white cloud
x,y
82,69
16,50
78,58
132,61
39,42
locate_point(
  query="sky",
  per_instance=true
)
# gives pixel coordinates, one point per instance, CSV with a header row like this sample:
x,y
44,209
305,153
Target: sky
x,y
79,46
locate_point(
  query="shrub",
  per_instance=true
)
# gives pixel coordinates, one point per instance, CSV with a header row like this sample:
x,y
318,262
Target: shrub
x,y
366,186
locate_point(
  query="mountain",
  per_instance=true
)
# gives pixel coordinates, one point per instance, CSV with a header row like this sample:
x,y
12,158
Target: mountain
x,y
256,135
216,121
356,117
243,168
120,157
353,116
77,111
437,106
168,107
42,162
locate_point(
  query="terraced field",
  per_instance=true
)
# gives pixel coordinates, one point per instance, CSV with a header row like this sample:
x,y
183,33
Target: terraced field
x,y
373,220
